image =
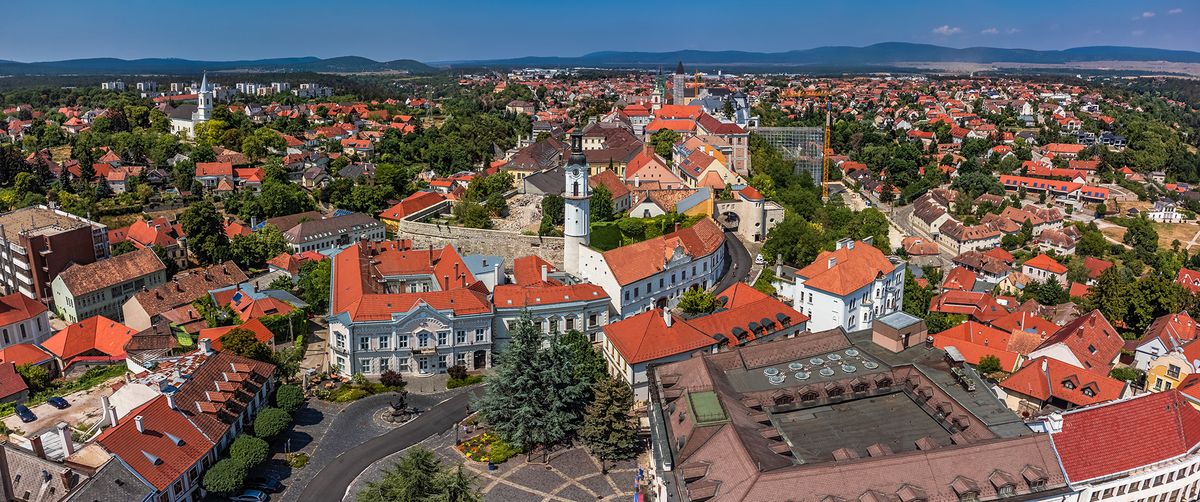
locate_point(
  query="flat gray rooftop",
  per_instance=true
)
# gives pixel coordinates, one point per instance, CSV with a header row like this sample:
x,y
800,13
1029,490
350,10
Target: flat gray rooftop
x,y
892,419
836,365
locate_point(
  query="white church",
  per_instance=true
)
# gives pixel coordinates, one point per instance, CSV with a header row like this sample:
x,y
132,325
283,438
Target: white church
x,y
645,275
185,117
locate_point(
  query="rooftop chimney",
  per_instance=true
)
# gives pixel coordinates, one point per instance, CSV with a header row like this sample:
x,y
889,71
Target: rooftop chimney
x,y
35,443
205,347
65,435
170,399
667,317
545,272
1054,421
140,426
111,415
832,262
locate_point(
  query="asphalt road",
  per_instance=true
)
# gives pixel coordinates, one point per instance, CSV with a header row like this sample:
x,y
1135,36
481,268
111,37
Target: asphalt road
x,y
739,263
331,483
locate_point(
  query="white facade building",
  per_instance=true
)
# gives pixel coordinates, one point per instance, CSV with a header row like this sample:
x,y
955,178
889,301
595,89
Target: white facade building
x,y
849,287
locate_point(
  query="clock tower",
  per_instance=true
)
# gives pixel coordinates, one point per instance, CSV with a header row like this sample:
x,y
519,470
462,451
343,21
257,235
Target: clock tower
x,y
576,195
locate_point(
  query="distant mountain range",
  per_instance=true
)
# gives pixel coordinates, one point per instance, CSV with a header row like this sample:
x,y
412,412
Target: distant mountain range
x,y
889,53
881,55
172,66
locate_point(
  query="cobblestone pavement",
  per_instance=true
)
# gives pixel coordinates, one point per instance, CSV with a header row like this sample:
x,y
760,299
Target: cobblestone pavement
x,y
571,475
325,430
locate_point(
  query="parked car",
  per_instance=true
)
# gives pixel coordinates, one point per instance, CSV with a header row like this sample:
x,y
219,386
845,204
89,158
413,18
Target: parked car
x,y
249,496
59,403
25,413
265,483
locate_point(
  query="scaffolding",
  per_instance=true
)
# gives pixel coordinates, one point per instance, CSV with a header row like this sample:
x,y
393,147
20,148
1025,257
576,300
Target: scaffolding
x,y
805,146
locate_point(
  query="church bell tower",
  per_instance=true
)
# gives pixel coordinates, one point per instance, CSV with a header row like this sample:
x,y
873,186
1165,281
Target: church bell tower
x,y
576,197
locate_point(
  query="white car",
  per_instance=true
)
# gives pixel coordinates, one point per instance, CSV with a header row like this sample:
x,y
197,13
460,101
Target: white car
x,y
758,259
249,496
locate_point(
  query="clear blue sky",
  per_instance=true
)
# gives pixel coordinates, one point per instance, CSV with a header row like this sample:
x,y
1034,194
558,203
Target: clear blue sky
x,y
435,30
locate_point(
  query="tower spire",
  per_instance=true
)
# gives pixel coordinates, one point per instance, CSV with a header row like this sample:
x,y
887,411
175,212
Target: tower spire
x,y
576,213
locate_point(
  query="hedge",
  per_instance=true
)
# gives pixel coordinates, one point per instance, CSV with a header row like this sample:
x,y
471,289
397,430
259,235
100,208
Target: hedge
x,y
226,476
249,450
271,422
289,398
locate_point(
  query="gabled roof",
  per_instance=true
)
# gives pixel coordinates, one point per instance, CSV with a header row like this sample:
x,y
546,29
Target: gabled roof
x,y
83,279
1044,262
17,307
1119,437
24,353
513,295
94,334
261,333
974,341
1063,381
10,381
847,269
646,337
643,259
411,204
1091,338
155,454
527,270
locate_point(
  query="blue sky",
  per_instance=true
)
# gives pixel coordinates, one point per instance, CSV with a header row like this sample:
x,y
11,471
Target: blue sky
x,y
435,30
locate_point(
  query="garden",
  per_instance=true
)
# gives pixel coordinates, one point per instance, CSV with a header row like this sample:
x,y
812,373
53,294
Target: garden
x,y
487,448
228,475
335,389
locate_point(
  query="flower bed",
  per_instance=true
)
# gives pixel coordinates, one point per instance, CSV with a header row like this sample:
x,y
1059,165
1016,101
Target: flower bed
x,y
487,447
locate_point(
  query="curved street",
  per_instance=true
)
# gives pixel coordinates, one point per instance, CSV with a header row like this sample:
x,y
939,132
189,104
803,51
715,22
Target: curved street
x,y
739,263
334,478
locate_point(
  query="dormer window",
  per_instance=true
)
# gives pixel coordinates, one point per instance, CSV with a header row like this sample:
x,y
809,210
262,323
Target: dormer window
x,y
1089,390
1068,384
1092,349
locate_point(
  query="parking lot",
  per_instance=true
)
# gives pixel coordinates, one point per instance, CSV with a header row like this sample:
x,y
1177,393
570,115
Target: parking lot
x,y
85,408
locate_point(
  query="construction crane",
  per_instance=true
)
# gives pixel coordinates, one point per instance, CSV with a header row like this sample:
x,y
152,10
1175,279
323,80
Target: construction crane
x,y
828,152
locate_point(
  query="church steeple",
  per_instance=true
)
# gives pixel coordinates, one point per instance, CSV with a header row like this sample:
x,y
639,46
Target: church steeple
x,y
576,201
204,99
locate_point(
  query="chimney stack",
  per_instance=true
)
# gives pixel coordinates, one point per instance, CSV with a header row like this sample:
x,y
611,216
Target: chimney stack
x,y
667,317
170,399
545,273
35,443
140,426
205,347
65,434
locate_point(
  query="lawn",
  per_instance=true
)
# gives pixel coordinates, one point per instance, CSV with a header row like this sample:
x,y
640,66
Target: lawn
x,y
605,235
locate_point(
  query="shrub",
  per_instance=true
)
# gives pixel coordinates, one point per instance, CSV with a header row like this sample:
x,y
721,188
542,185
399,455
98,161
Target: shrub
x,y
455,383
270,422
502,451
392,378
249,450
457,372
226,476
298,460
289,398
348,394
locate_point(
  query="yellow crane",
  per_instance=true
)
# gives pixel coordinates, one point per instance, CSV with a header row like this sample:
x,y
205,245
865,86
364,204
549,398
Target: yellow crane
x,y
819,93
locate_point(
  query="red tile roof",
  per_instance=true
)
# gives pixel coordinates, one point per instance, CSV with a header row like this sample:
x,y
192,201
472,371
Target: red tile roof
x,y
10,381
513,295
24,353
1123,436
638,261
17,307
959,278
1044,262
1063,381
846,270
527,270
982,306
1096,266
646,337
411,204
1092,339
974,340
1189,279
94,336
154,455
205,169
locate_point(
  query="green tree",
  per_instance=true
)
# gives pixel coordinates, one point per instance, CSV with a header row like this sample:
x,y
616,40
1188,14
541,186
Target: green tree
x,y
988,364
121,248
697,301
608,428
1051,293
206,233
588,362
36,376
414,478
289,398
249,450
601,204
314,284
271,422
553,207
1126,374
226,476
243,343
1141,236
664,142
457,485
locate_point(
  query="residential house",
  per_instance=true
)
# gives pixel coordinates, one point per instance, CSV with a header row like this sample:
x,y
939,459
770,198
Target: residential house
x,y
101,288
147,307
1045,384
1043,268
23,320
94,341
848,287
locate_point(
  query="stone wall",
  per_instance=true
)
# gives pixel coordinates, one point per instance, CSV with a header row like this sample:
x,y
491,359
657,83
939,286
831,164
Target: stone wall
x,y
507,245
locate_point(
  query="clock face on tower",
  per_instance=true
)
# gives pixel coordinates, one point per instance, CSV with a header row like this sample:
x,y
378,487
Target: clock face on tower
x,y
575,182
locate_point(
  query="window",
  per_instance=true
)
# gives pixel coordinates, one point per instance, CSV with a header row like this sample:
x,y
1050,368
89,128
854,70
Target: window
x,y
442,361
402,364
341,339
480,335
443,338
402,341
570,323
460,337
423,339
383,364
364,343
1173,371
364,365
591,320
177,488
1007,491
23,334
968,497
384,342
